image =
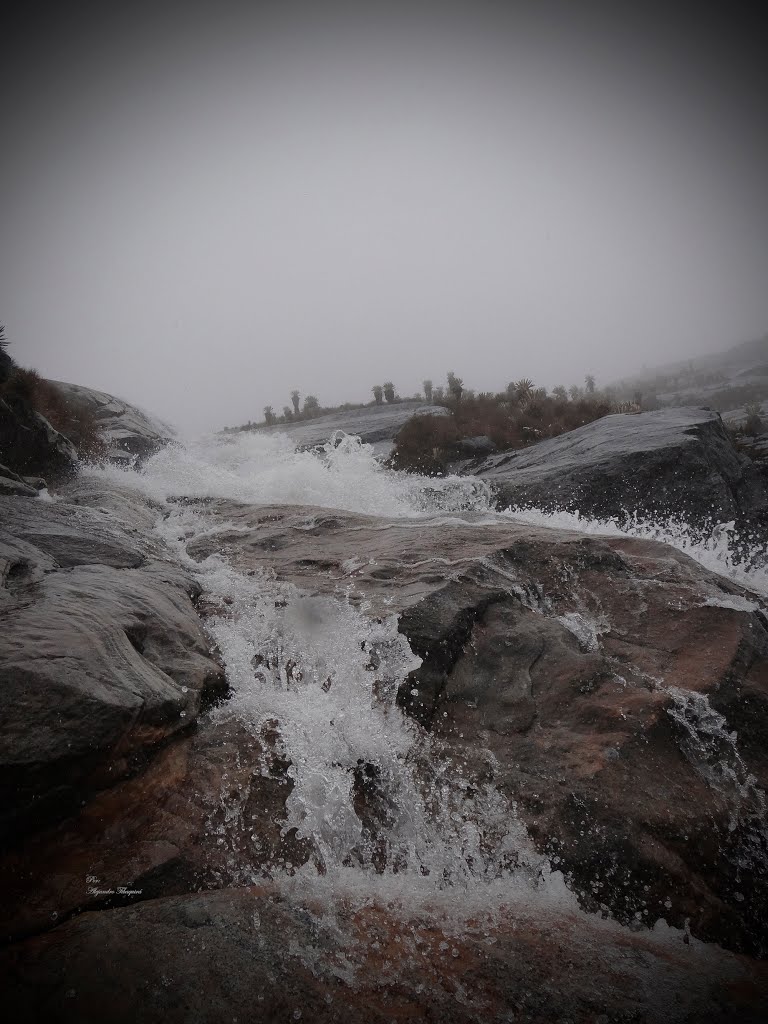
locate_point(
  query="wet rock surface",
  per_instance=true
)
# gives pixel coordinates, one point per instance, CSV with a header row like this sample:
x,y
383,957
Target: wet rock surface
x,y
255,954
678,462
102,655
205,813
12,483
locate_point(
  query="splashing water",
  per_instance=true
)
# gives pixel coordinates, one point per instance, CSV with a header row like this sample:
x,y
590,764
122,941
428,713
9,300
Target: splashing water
x,y
712,749
376,796
266,469
385,807
345,475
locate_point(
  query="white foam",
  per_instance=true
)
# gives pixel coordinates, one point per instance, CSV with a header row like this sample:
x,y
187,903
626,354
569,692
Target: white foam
x,y
266,469
327,674
735,602
712,749
586,630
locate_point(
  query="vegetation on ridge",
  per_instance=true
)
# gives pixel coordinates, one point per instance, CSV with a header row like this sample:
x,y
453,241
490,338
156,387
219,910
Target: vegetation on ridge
x,y
515,418
24,389
520,415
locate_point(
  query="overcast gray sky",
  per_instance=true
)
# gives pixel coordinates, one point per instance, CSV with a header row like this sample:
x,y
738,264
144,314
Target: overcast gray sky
x,y
205,206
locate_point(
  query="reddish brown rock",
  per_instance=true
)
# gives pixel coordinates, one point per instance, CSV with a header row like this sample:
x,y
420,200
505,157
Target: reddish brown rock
x,y
577,662
257,955
206,812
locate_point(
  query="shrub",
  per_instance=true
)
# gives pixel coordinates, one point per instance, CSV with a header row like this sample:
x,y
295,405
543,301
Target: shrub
x,y
523,389
424,445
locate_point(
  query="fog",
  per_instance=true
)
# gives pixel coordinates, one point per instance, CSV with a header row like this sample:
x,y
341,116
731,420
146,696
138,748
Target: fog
x,y
207,206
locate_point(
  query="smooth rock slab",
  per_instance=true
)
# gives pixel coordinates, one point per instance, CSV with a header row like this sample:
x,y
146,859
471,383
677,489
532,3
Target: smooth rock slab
x,y
673,462
76,536
128,432
102,656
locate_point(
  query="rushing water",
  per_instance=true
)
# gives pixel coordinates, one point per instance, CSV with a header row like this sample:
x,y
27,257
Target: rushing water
x,y
266,469
327,673
712,749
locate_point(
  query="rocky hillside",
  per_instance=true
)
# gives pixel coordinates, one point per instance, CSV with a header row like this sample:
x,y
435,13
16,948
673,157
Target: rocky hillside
x,y
725,381
34,454
128,433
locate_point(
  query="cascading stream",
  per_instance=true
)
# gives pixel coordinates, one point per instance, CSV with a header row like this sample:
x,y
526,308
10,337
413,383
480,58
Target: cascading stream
x,y
384,806
372,791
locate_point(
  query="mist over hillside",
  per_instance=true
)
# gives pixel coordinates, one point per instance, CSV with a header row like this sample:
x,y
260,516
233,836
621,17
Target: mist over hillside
x,y
727,381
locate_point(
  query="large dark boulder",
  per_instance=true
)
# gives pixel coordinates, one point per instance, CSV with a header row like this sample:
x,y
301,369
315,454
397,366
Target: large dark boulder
x,y
169,819
30,446
673,462
476,447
